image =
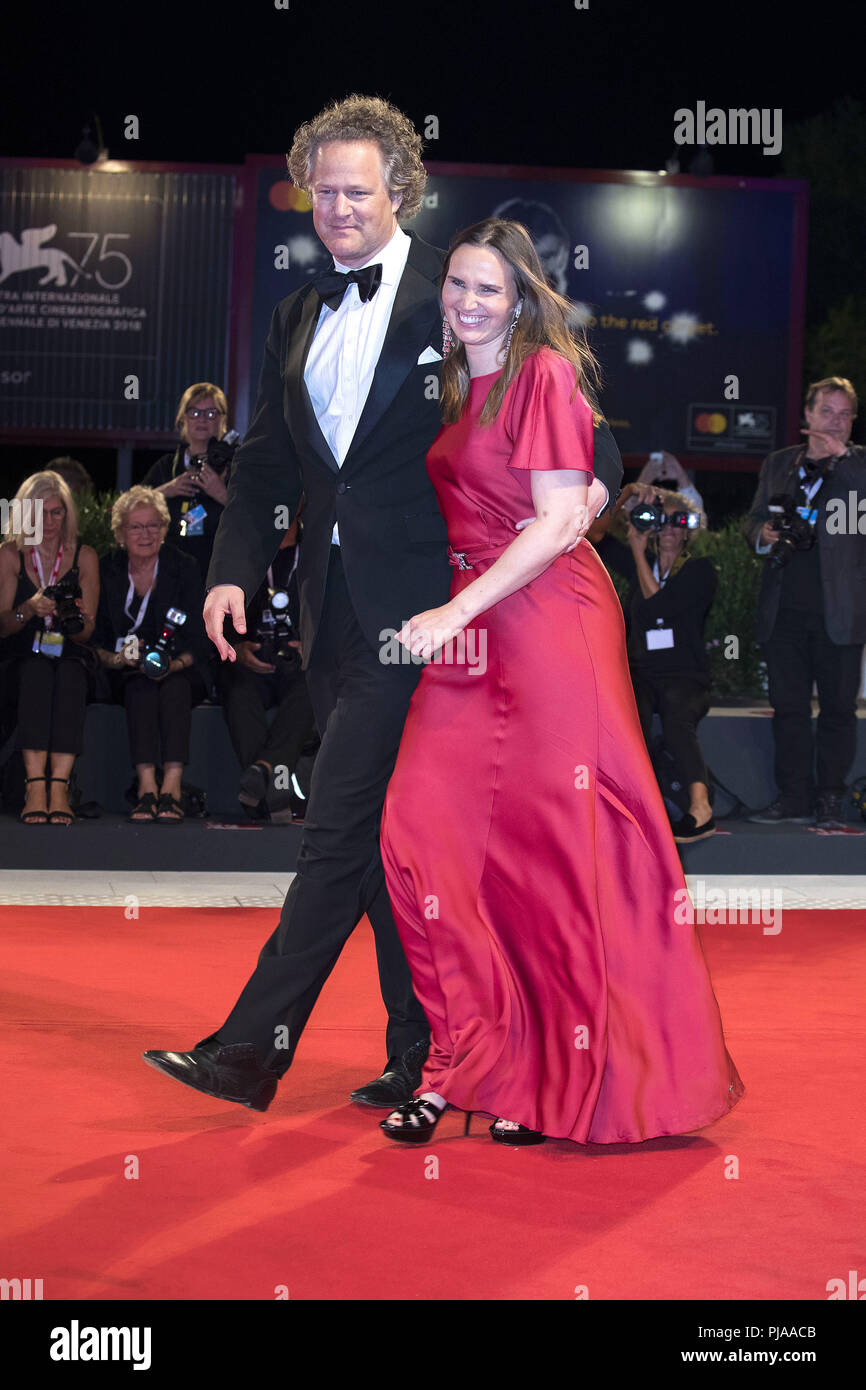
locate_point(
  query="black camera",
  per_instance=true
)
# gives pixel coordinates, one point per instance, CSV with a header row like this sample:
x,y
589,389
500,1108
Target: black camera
x,y
651,516
220,453
63,594
795,533
156,659
275,631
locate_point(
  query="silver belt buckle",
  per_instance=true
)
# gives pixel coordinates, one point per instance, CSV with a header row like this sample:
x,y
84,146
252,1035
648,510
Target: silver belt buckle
x,y
460,557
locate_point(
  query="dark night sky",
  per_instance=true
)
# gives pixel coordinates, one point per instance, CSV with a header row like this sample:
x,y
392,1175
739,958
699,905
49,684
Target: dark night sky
x,y
540,83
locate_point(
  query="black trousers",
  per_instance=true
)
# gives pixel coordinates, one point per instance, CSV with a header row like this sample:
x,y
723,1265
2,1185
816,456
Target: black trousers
x,y
681,702
798,653
52,694
246,698
360,706
158,713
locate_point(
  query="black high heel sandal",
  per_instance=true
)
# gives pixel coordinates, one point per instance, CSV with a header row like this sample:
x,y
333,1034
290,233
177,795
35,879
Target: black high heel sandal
x,y
60,817
519,1137
34,817
420,1126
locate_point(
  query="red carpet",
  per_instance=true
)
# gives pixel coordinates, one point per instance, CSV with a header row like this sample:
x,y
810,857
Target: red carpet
x,y
229,1204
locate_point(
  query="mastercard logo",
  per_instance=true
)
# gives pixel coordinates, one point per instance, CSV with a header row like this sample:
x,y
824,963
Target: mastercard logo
x,y
711,422
286,198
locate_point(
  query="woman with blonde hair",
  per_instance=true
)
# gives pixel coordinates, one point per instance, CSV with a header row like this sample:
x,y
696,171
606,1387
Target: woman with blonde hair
x,y
192,481
534,879
43,637
143,584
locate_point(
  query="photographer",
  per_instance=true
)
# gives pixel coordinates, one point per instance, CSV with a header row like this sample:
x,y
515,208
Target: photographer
x,y
194,479
812,604
671,595
49,589
268,674
150,639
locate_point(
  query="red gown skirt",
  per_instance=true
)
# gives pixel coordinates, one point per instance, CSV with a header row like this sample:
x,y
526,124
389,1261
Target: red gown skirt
x,y
528,855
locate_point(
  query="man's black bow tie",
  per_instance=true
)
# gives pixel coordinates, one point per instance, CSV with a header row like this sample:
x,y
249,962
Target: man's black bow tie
x,y
332,285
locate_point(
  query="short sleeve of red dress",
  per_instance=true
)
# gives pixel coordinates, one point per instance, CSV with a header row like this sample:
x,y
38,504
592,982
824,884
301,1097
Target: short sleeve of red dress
x,y
547,429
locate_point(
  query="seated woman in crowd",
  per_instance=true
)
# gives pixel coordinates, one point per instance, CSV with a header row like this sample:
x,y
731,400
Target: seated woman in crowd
x,y
194,490
43,652
141,584
671,594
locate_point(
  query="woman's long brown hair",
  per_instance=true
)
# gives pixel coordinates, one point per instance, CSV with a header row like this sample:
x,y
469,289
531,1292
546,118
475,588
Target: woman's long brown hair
x,y
543,322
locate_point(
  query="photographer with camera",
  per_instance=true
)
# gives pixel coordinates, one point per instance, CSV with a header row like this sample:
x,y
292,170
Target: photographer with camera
x,y
150,639
267,675
194,479
49,590
812,604
671,594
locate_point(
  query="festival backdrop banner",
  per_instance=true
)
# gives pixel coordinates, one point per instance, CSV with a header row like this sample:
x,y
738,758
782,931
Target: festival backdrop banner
x,y
691,290
114,295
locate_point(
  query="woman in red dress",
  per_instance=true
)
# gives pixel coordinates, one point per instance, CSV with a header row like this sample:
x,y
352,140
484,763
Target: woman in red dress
x,y
528,855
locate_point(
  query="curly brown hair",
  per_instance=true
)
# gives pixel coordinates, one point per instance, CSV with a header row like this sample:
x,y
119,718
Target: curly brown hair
x,y
358,117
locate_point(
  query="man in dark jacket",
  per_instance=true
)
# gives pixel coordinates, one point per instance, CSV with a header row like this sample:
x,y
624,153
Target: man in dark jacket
x,y
812,603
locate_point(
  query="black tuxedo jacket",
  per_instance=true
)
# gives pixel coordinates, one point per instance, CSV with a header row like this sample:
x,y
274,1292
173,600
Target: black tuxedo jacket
x,y
392,535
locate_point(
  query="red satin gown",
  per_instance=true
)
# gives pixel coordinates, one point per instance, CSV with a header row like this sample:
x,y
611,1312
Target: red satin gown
x,y
528,855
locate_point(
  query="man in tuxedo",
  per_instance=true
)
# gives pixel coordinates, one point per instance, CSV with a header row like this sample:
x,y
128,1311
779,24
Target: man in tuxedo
x,y
345,414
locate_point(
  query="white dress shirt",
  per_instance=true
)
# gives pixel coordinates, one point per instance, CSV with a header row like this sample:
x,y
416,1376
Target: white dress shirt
x,y
346,347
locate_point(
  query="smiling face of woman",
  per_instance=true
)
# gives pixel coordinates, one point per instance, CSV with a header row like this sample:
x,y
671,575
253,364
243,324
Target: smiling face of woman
x,y
143,533
479,298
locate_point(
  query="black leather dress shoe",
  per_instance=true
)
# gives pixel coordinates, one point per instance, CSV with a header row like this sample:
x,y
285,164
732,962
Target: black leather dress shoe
x,y
398,1082
225,1071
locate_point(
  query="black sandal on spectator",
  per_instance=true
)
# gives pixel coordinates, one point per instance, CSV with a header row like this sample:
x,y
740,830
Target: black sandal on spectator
x,y
60,817
146,803
169,811
34,817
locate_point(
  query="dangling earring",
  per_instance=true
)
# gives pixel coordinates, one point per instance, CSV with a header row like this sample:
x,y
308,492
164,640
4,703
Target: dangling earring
x,y
447,339
511,326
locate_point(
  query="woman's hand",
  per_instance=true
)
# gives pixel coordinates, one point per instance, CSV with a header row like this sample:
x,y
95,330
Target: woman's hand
x,y
637,540
211,483
427,632
181,486
39,606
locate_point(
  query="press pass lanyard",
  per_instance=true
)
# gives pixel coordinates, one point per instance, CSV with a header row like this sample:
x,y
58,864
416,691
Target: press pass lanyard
x,y
808,512
37,565
144,602
657,574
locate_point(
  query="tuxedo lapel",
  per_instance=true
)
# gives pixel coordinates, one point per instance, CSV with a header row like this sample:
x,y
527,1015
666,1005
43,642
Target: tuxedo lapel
x,y
407,336
302,415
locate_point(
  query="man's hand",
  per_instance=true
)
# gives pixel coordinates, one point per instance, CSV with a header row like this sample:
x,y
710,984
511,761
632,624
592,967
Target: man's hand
x,y
769,534
224,601
828,442
252,663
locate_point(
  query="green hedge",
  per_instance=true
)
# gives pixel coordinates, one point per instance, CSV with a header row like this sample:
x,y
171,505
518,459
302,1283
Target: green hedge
x,y
733,613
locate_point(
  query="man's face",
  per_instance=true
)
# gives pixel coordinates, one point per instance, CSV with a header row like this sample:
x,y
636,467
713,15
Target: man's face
x,y
833,414
352,212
